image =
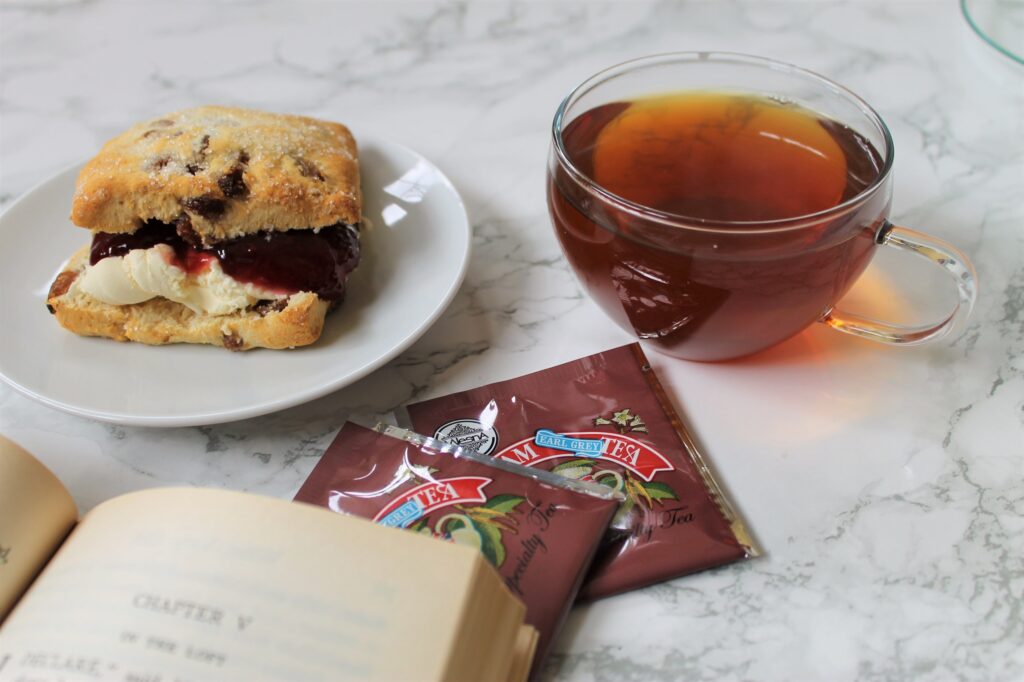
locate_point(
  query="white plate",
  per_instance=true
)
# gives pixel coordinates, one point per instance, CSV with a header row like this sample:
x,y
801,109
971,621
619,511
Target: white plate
x,y
414,259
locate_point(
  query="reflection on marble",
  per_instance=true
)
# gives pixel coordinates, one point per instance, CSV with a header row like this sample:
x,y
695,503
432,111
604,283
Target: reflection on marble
x,y
886,485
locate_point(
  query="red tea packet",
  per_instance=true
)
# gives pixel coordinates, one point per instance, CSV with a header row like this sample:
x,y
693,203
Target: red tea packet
x,y
540,531
605,418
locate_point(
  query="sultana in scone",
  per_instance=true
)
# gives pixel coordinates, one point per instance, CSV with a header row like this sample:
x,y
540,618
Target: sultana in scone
x,y
214,225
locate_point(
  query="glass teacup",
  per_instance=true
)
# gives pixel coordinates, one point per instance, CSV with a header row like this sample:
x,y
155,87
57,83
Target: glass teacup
x,y
717,204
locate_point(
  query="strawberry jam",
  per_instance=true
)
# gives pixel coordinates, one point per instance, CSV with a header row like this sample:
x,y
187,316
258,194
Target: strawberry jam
x,y
287,262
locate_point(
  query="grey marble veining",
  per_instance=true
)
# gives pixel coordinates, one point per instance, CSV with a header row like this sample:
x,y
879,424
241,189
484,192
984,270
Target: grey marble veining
x,y
886,485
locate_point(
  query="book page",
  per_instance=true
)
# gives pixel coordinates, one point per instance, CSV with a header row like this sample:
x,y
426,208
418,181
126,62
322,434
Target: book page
x,y
36,513
522,657
192,584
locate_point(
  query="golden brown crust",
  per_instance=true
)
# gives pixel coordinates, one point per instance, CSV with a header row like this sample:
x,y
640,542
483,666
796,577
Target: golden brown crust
x,y
159,321
230,171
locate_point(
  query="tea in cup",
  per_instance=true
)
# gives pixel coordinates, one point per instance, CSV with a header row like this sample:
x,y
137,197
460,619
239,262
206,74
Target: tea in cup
x,y
717,204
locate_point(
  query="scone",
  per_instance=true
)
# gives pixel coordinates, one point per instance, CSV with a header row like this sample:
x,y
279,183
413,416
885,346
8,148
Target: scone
x,y
216,225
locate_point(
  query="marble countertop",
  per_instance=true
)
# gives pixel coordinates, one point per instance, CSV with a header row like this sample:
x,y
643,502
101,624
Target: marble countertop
x,y
885,485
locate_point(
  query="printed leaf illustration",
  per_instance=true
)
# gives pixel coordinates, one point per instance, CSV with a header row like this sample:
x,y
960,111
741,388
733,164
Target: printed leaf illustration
x,y
611,478
484,515
637,490
638,425
659,491
624,421
481,526
460,529
574,468
450,525
573,463
643,492
413,474
575,473
468,536
418,526
503,520
503,503
491,544
618,521
622,417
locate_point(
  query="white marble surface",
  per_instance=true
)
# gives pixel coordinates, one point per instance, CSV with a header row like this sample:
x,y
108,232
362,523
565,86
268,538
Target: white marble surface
x,y
886,485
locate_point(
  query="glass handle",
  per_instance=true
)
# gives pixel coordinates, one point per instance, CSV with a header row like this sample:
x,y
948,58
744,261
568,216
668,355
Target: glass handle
x,y
947,256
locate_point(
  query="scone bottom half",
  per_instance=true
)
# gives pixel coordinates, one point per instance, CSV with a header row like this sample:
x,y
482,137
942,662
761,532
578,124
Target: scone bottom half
x,y
221,226
290,322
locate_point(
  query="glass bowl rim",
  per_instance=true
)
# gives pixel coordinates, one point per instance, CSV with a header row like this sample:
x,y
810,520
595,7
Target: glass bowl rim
x,y
989,40
703,224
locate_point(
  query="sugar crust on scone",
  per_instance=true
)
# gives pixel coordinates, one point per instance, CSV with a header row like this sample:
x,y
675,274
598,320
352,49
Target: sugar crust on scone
x,y
229,171
292,322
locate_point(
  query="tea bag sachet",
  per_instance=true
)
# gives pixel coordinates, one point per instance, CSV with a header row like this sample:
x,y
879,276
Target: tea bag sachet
x,y
539,530
605,419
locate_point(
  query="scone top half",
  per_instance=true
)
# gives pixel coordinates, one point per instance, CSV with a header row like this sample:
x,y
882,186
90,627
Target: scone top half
x,y
222,173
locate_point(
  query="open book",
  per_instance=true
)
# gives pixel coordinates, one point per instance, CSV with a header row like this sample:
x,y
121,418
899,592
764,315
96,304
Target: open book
x,y
180,584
